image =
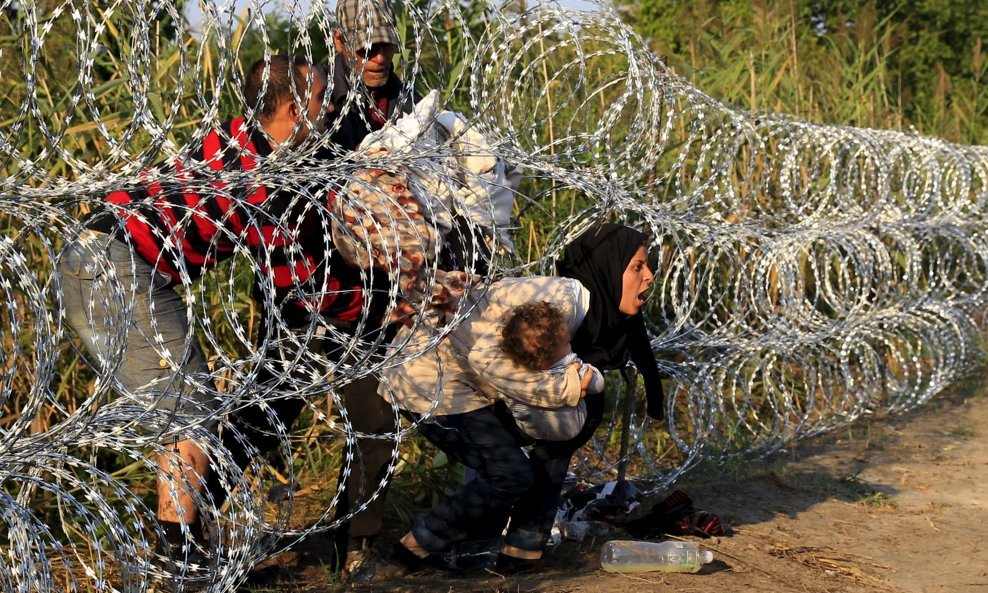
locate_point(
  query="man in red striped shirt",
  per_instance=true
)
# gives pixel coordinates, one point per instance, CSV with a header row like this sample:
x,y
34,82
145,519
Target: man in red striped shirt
x,y
119,277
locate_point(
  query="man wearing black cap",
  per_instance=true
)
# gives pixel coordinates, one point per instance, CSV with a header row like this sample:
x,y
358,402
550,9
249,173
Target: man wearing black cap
x,y
367,93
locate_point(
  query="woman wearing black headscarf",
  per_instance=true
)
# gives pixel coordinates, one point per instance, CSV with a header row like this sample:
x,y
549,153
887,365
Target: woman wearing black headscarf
x,y
609,260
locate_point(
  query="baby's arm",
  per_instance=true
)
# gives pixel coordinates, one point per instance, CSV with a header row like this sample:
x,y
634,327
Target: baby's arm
x,y
591,379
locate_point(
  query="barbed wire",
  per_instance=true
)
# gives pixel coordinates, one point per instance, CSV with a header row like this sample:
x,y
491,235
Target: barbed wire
x,y
806,274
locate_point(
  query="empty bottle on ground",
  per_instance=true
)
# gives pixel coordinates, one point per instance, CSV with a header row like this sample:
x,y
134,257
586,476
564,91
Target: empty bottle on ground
x,y
639,556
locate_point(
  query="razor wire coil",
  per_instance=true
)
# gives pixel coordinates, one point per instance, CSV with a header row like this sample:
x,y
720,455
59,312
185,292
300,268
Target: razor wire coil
x,y
806,274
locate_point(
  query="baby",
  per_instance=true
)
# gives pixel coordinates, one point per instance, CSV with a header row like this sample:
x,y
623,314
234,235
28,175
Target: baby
x,y
536,337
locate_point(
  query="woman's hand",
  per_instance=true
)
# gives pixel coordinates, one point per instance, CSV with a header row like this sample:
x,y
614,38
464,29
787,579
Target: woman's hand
x,y
403,314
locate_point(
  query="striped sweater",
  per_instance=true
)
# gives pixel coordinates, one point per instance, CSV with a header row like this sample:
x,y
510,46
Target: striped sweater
x,y
184,222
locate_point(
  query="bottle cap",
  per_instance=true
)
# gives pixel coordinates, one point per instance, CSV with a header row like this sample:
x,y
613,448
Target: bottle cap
x,y
706,557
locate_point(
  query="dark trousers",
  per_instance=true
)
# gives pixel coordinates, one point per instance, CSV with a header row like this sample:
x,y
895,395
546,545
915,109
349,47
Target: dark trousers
x,y
556,456
367,412
509,482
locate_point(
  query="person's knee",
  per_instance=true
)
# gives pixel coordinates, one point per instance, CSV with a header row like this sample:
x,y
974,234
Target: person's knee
x,y
513,483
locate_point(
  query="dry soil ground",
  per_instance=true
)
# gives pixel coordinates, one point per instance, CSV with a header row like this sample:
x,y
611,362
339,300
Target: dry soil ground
x,y
896,504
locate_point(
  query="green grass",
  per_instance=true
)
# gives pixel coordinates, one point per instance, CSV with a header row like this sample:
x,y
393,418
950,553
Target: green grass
x,y
854,488
962,432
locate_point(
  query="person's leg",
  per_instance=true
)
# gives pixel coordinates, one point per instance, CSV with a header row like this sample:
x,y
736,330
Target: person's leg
x,y
126,315
504,478
531,522
366,479
181,471
254,430
282,381
493,525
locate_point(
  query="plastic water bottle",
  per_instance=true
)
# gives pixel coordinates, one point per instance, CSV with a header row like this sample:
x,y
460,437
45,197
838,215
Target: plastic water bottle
x,y
667,556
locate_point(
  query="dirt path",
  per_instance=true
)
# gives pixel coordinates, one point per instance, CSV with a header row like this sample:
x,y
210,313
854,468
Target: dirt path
x,y
891,505
897,504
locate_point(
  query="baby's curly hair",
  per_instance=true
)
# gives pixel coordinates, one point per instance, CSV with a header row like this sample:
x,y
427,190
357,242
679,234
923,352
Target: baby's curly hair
x,y
531,333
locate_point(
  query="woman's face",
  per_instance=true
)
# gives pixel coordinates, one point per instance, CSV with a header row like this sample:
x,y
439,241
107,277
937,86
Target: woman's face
x,y
635,282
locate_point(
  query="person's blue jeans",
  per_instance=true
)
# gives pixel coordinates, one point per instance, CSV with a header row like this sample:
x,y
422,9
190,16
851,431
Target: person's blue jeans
x,y
507,484
555,457
132,321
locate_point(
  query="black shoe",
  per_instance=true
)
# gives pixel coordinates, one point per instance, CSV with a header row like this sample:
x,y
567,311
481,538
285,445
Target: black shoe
x,y
513,565
183,563
415,564
184,575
